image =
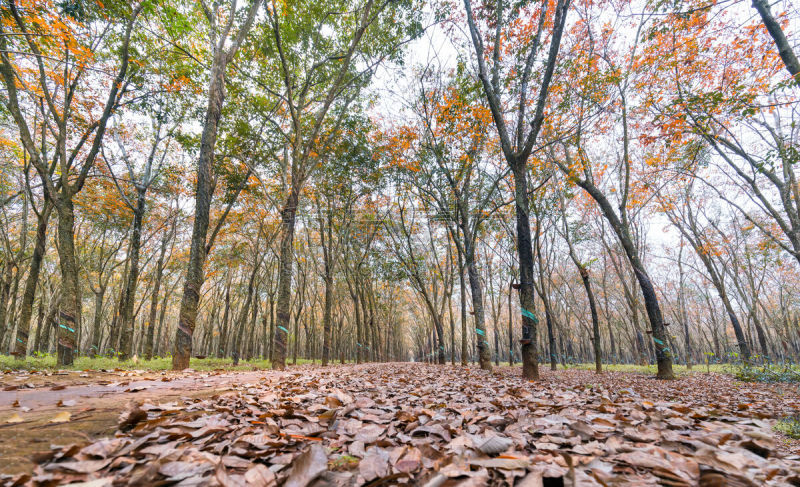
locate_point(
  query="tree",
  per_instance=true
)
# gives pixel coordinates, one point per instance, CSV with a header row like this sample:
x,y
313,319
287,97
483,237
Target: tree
x,y
319,83
78,134
143,168
224,44
442,154
518,144
583,270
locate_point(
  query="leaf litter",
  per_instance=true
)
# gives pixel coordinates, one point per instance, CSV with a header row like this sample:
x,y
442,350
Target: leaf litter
x,y
416,424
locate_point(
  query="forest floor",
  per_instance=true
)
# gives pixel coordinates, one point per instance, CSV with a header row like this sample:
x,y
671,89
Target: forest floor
x,y
387,424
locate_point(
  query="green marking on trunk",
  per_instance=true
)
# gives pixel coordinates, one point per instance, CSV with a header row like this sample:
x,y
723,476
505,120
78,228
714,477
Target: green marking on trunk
x,y
480,332
284,329
530,315
66,328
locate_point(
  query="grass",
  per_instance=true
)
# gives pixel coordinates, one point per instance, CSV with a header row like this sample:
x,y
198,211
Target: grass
x,y
743,372
771,373
789,373
789,426
652,369
48,362
631,368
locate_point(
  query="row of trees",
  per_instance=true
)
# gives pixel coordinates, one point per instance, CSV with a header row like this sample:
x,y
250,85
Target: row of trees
x,y
583,181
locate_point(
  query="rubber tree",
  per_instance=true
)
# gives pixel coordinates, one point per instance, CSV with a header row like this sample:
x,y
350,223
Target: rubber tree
x,y
317,87
684,216
583,270
519,137
225,39
167,236
29,293
416,247
78,143
141,178
347,178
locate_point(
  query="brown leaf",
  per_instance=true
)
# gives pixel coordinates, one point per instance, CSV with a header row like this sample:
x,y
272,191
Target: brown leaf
x,y
494,445
61,417
375,464
131,417
14,418
503,463
260,476
308,466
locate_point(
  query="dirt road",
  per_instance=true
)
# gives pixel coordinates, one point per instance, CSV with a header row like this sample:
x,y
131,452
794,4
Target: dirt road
x,y
93,401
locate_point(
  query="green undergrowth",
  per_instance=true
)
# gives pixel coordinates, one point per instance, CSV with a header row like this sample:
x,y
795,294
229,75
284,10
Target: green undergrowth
x,y
679,370
789,426
787,373
48,362
769,373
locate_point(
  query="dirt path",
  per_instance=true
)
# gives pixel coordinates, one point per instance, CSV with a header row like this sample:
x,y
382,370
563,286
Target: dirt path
x,y
94,401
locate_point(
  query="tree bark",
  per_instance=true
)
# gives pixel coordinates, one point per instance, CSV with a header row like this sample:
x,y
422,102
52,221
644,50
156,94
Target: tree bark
x,y
5,293
99,298
659,333
70,314
288,214
530,358
151,321
187,318
39,324
126,344
29,294
784,48
598,352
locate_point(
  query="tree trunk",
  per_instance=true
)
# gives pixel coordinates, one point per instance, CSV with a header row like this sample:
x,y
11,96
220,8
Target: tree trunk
x,y
530,359
510,326
151,322
187,318
241,322
159,349
99,298
476,291
270,342
29,294
326,317
113,339
70,313
50,321
452,331
133,277
598,352
39,324
463,297
288,214
663,354
5,291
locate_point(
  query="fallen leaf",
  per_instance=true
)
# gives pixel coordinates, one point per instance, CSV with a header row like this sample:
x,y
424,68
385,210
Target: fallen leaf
x,y
375,464
61,417
15,418
307,467
494,445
